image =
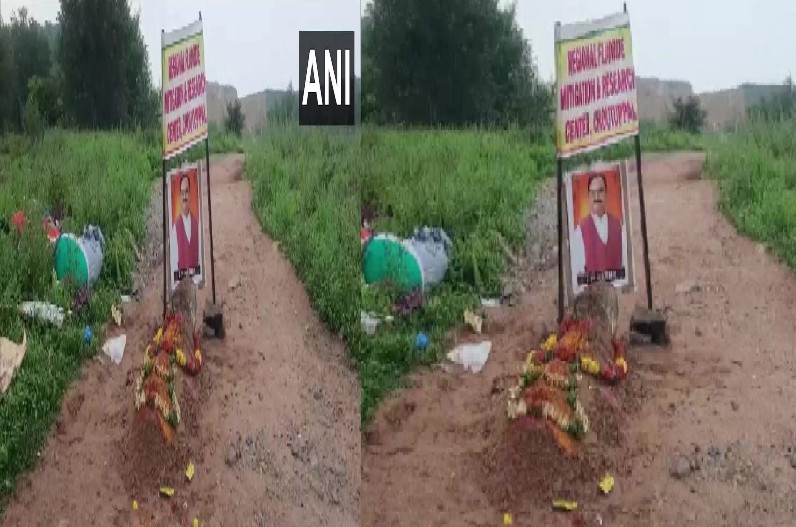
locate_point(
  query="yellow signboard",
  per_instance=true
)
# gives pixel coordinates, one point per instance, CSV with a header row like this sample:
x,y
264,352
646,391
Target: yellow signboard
x,y
184,97
596,85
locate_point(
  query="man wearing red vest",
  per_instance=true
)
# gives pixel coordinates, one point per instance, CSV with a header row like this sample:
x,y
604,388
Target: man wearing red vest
x,y
185,231
599,240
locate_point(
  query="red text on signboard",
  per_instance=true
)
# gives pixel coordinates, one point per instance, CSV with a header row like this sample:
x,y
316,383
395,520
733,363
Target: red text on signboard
x,y
186,124
595,55
183,61
183,93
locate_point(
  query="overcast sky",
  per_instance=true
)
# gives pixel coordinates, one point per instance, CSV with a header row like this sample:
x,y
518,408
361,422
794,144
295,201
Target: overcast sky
x,y
714,44
250,44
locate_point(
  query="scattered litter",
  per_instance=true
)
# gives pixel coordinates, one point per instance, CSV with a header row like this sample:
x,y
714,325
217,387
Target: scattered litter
x,y
81,297
196,522
408,302
135,505
189,472
126,299
473,320
507,520
11,355
607,483
490,302
87,334
431,245
80,259
117,315
565,505
415,263
389,319
42,310
471,356
369,322
167,491
114,348
421,341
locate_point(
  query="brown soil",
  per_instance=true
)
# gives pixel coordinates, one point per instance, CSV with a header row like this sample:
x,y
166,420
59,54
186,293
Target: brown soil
x,y
716,402
271,423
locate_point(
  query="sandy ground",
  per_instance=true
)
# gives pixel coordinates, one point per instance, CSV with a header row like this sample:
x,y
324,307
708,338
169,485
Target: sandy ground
x,y
711,442
278,438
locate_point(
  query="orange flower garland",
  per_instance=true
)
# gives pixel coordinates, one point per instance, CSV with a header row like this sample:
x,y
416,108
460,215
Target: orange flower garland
x,y
160,356
558,363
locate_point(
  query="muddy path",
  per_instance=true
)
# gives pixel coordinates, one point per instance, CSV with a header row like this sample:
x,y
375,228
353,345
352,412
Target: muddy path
x,y
712,441
277,440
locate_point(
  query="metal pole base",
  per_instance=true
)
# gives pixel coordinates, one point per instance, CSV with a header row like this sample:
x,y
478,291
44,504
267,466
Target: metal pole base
x,y
650,324
214,319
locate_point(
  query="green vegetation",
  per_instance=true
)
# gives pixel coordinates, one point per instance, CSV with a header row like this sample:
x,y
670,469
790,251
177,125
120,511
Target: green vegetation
x,y
778,105
101,179
234,118
757,182
687,114
305,195
476,185
49,82
481,70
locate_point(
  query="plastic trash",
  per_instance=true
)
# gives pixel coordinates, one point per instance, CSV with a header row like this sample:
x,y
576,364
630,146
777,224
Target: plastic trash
x,y
415,263
114,348
80,259
44,311
369,322
472,356
421,341
431,245
87,334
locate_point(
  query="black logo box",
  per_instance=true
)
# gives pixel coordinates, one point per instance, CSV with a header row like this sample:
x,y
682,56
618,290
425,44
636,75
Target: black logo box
x,y
313,114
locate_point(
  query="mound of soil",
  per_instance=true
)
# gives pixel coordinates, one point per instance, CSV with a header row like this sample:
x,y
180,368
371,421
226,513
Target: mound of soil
x,y
529,462
148,461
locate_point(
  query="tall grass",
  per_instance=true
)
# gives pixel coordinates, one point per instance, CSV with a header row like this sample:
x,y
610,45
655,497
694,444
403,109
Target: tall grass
x,y
756,173
306,196
101,179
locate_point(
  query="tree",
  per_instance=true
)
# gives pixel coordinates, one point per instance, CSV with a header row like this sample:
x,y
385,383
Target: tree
x,y
103,57
234,118
687,114
451,63
45,93
779,105
31,57
6,72
286,108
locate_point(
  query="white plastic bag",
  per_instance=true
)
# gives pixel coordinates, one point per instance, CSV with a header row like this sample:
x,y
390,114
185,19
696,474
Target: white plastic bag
x,y
114,348
49,312
472,356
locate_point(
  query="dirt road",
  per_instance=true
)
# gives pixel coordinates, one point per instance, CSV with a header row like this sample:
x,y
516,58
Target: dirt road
x,y
277,441
711,442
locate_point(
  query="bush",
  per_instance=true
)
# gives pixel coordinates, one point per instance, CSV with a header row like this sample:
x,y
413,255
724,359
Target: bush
x,y
687,115
234,118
